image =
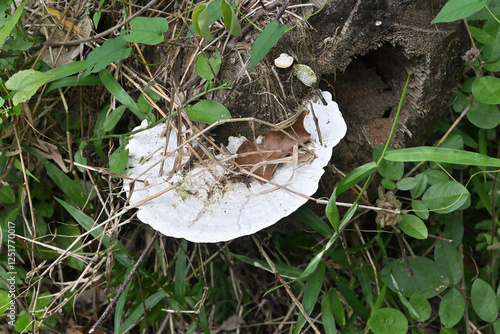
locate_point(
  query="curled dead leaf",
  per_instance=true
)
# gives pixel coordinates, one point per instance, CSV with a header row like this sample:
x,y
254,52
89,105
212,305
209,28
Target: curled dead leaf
x,y
262,159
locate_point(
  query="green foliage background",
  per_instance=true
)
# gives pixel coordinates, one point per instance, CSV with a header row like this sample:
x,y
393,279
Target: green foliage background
x,y
429,261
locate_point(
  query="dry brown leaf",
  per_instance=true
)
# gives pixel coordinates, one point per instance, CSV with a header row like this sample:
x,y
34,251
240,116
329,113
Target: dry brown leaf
x,y
278,143
49,151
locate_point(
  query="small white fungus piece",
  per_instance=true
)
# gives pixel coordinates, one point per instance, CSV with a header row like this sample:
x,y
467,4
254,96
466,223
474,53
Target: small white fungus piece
x,y
283,61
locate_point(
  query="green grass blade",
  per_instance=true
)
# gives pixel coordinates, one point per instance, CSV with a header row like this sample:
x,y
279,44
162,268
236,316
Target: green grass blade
x,y
66,70
327,312
441,155
7,28
137,314
180,272
356,176
351,299
311,293
313,221
74,82
332,212
119,93
69,187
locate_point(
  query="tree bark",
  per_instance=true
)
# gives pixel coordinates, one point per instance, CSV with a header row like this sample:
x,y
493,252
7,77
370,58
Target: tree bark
x,y
367,50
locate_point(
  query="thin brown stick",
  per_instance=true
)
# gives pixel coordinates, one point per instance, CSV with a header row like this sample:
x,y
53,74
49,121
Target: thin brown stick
x,y
125,283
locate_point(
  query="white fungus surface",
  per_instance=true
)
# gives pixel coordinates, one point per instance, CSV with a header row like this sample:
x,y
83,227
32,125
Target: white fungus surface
x,y
205,210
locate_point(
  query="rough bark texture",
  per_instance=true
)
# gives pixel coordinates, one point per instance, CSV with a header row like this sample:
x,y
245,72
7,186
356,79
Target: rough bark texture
x,y
366,51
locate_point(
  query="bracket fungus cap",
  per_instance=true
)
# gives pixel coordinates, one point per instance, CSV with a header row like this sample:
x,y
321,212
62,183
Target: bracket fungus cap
x,y
204,206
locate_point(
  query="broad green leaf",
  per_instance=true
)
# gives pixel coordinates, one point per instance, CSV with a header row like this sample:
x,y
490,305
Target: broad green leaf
x,y
491,52
484,300
457,10
454,229
388,184
481,36
208,111
113,50
266,40
208,70
421,306
436,176
496,327
451,308
493,66
26,83
230,20
392,170
421,185
7,28
429,280
388,320
146,30
311,293
4,301
332,212
7,195
119,93
413,226
113,118
449,260
459,101
118,160
453,142
407,183
311,219
445,197
420,209
201,21
354,177
442,155
328,312
487,90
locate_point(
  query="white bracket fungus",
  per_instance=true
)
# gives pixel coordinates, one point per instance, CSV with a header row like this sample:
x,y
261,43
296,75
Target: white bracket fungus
x,y
283,61
204,204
